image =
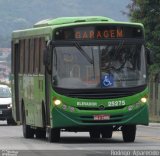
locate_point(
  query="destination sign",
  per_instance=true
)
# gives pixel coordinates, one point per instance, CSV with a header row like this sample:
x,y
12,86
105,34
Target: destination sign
x,y
101,34
98,32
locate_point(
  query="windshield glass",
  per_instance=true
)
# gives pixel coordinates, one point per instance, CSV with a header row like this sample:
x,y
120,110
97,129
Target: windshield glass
x,y
109,66
5,92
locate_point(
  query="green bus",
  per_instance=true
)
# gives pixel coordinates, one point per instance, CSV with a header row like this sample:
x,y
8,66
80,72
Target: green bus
x,y
80,74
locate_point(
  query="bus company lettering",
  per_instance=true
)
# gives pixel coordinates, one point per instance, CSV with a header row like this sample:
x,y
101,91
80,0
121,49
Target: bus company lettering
x,y
114,33
86,104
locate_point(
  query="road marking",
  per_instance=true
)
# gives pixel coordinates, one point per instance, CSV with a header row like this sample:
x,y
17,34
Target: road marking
x,y
150,126
150,138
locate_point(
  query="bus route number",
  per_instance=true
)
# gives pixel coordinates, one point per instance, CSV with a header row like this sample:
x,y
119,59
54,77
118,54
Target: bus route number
x,y
116,103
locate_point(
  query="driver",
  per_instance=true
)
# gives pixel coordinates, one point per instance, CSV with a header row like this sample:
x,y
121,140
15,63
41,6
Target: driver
x,y
121,67
122,61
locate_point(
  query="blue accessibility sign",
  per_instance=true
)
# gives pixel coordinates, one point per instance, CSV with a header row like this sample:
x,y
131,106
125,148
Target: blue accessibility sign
x,y
107,80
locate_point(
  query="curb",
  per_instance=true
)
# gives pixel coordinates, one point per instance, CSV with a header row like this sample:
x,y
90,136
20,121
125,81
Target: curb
x,y
154,124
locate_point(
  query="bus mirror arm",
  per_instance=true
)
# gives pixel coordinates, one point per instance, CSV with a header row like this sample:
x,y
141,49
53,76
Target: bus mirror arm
x,y
46,51
47,58
149,55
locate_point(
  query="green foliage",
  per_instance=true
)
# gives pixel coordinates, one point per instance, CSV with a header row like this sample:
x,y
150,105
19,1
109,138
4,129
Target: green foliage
x,y
148,13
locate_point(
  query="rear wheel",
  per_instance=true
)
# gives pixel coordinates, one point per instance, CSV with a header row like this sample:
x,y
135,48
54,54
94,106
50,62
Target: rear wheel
x,y
54,135
129,133
41,132
28,132
94,134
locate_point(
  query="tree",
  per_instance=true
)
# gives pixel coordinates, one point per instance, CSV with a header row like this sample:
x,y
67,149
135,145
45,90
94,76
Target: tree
x,y
148,13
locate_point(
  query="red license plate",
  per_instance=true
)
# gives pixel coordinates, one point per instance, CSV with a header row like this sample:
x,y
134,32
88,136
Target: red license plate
x,y
101,117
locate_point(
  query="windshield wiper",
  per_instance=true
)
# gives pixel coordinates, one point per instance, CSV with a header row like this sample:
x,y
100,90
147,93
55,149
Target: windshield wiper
x,y
83,53
94,74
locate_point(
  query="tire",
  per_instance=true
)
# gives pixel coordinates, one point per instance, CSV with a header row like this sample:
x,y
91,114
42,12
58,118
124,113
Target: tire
x,y
11,122
129,133
28,132
107,132
40,133
54,135
94,134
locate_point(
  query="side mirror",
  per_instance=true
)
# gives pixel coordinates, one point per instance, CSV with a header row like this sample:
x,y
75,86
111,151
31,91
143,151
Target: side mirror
x,y
45,61
149,55
47,57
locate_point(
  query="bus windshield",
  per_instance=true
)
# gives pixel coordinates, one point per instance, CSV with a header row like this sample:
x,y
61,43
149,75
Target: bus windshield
x,y
99,66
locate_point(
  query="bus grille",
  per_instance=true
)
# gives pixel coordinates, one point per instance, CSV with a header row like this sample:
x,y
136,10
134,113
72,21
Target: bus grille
x,y
108,93
3,106
98,109
98,95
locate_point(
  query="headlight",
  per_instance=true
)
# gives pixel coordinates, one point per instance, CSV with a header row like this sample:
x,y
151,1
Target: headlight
x,y
144,100
57,102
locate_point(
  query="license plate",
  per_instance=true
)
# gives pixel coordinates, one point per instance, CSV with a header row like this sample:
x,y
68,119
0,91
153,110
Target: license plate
x,y
0,111
101,117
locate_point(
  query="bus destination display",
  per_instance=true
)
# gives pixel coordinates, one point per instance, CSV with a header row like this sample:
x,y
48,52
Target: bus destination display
x,y
98,33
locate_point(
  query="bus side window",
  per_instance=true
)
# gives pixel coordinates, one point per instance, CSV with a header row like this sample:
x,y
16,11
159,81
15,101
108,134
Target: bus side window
x,y
22,56
26,56
15,58
42,46
12,58
36,61
31,63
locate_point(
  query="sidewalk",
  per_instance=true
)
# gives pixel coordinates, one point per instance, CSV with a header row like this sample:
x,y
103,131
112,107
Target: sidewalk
x,y
154,124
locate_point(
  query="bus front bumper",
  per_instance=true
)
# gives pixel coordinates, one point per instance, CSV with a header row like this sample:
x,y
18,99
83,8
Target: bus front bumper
x,y
63,119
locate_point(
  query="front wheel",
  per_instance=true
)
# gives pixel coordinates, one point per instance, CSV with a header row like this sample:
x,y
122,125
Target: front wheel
x,y
129,133
54,135
107,132
94,134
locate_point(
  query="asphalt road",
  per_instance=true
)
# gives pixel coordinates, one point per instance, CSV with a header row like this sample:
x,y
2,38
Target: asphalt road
x,y
147,138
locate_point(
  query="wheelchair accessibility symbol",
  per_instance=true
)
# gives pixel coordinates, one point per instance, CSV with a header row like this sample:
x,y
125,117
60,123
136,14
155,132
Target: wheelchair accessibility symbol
x,y
107,81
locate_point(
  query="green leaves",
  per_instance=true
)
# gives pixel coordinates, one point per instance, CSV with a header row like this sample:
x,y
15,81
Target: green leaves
x,y
148,13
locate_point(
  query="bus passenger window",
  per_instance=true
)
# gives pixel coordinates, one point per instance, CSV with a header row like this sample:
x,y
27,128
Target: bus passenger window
x,y
31,56
22,56
36,63
42,46
26,56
